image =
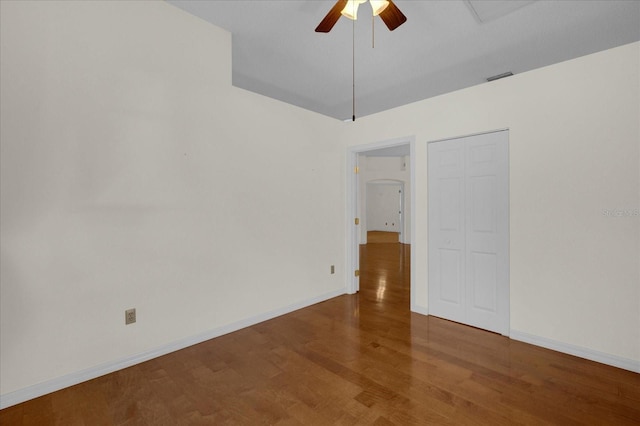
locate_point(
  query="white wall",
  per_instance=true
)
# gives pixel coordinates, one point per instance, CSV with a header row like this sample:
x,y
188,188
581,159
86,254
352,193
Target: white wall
x,y
574,152
134,175
384,204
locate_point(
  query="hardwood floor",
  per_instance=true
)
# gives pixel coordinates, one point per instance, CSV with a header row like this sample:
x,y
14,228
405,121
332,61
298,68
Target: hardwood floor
x,y
382,237
355,359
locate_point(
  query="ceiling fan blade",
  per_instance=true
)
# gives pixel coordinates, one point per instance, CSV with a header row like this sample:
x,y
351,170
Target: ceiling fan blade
x,y
332,17
392,16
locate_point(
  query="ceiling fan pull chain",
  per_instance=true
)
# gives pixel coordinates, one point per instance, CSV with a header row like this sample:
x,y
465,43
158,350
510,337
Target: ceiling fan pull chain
x,y
373,32
353,69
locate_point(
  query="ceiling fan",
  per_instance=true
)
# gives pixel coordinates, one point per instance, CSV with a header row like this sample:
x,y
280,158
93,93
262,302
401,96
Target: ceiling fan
x,y
388,12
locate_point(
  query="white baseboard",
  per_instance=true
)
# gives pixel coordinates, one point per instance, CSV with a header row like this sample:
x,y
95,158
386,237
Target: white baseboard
x,y
590,354
40,389
419,310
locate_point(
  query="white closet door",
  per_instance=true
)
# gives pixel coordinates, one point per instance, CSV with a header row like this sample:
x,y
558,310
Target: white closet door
x,y
487,231
446,230
481,213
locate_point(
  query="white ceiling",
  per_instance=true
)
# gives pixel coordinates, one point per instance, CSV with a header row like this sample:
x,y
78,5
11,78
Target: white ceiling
x,y
444,46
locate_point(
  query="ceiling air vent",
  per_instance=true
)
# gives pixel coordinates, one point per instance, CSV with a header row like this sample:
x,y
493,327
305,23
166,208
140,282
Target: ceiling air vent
x,y
499,76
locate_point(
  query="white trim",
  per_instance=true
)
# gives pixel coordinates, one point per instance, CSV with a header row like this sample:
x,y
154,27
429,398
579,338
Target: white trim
x,y
358,149
412,221
567,348
469,135
351,232
40,389
419,309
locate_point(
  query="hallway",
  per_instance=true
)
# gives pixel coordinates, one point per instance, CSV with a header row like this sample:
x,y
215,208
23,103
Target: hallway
x,y
385,274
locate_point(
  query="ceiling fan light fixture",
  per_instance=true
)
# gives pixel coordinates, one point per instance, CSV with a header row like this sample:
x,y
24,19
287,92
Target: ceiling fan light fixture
x,y
378,6
351,9
386,9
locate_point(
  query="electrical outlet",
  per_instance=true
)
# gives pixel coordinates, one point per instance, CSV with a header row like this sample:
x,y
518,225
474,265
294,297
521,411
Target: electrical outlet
x,y
333,269
129,316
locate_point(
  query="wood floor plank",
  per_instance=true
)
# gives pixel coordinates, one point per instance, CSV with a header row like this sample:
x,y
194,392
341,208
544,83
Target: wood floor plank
x,y
360,359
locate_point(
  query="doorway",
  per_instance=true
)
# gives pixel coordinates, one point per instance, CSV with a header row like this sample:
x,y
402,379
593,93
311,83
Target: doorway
x,y
403,151
468,230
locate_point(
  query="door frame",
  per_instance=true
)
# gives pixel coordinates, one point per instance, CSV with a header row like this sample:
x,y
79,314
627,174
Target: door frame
x,y
352,231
